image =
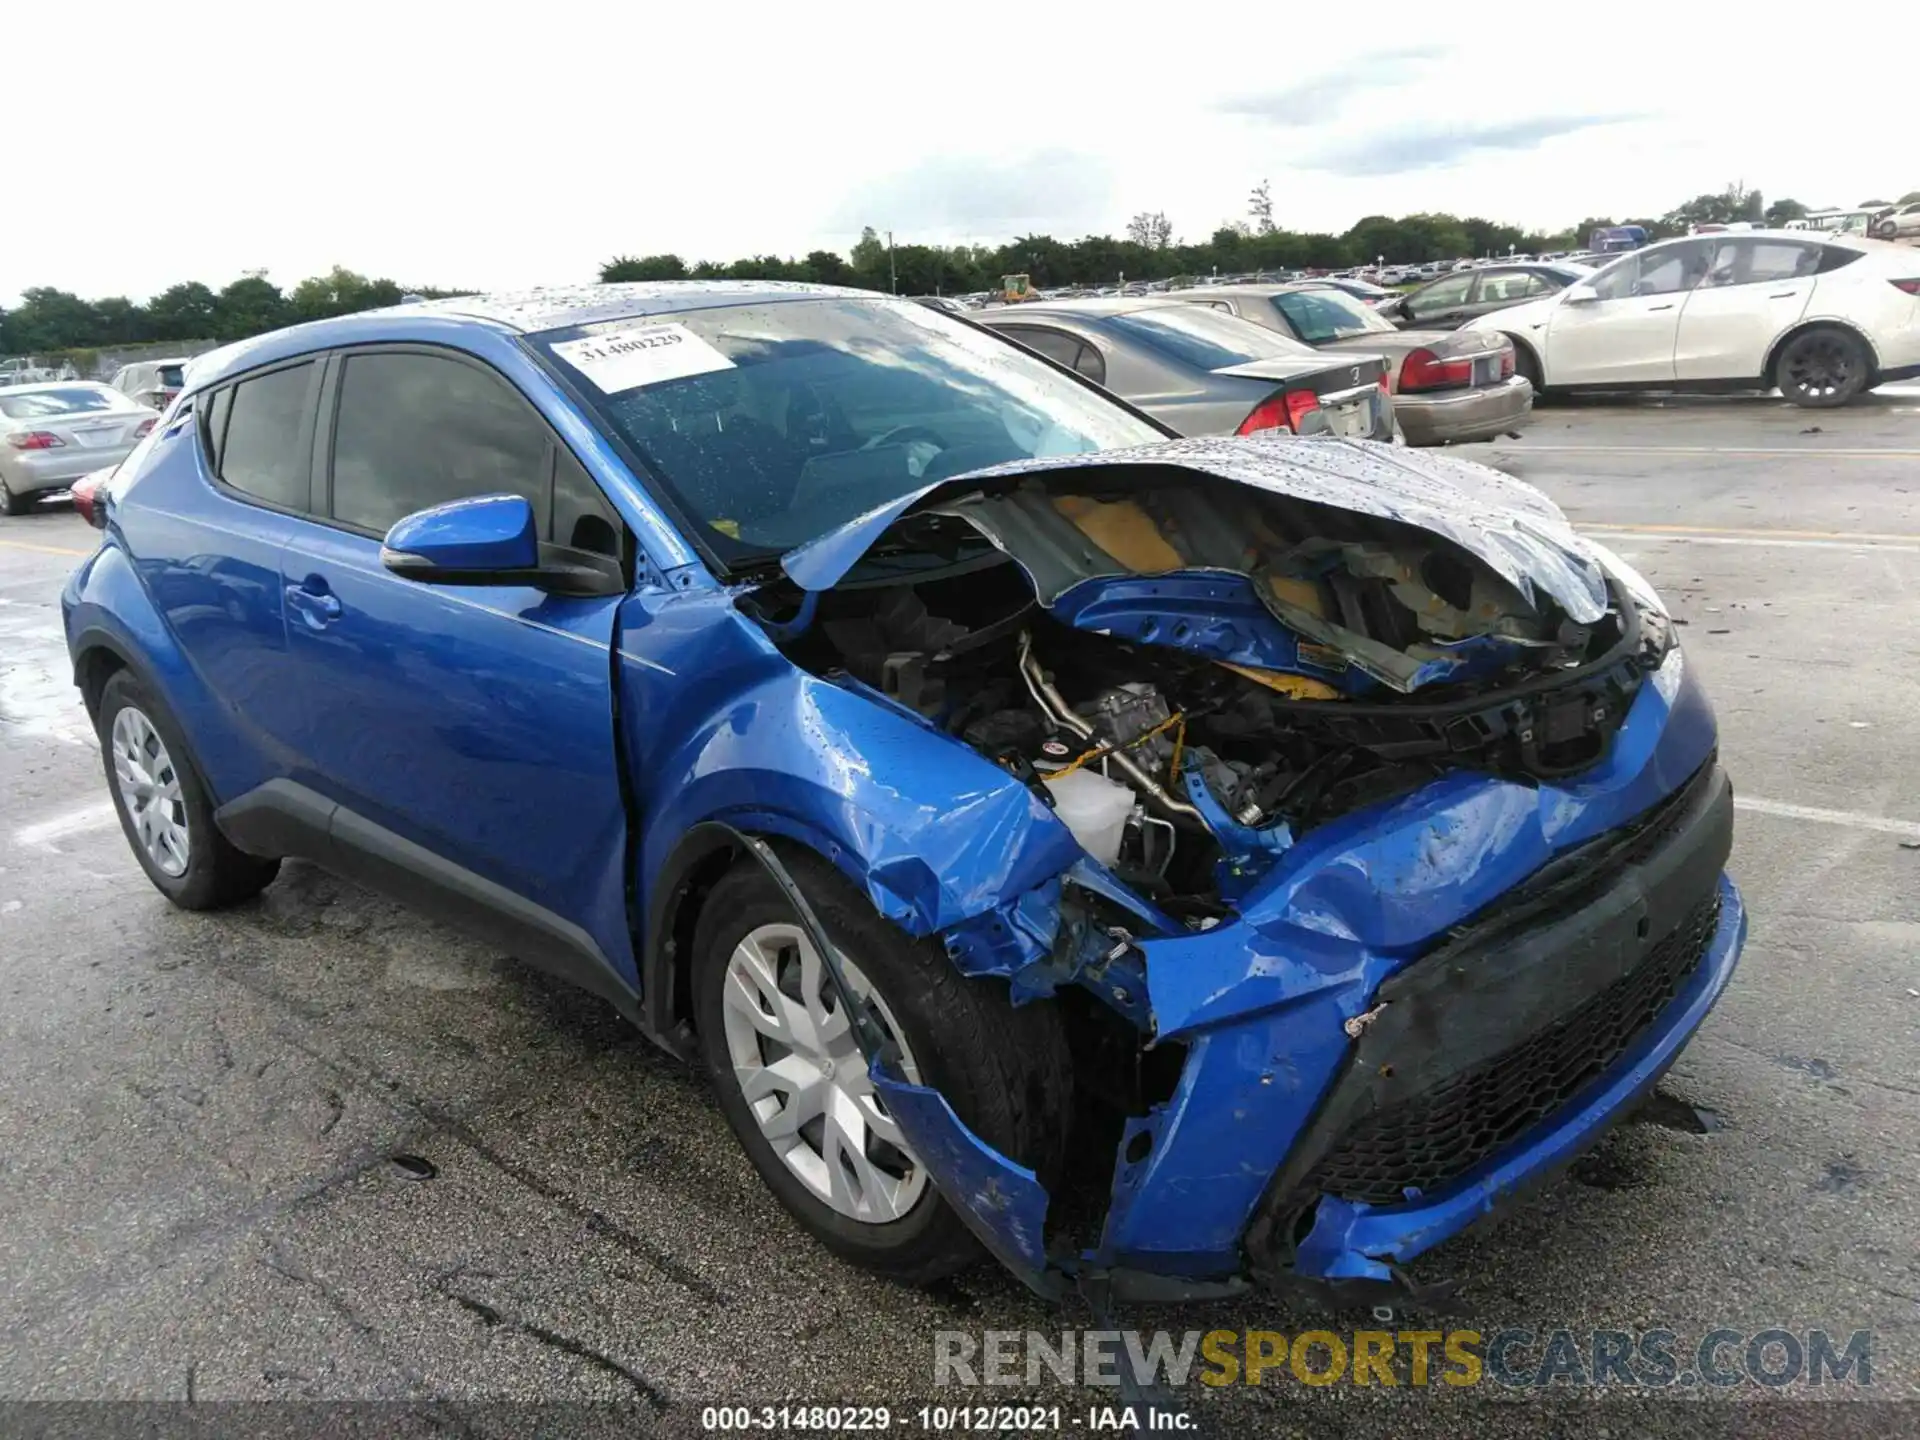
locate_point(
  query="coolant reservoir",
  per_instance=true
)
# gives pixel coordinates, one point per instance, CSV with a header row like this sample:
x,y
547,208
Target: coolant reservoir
x,y
1094,808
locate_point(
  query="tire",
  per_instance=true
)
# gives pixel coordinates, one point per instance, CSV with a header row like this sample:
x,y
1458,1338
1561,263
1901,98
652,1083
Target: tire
x,y
197,869
1822,368
12,504
1527,365
1890,231
1003,1069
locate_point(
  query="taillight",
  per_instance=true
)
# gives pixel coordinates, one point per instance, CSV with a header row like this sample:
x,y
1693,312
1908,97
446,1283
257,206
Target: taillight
x,y
1424,370
146,429
86,499
1300,404
1285,411
34,440
1269,414
1912,287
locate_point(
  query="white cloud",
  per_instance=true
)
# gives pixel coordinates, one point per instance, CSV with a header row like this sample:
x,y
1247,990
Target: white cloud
x,y
500,146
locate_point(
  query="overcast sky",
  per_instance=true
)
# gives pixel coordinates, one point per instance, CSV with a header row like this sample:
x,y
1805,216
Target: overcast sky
x,y
510,145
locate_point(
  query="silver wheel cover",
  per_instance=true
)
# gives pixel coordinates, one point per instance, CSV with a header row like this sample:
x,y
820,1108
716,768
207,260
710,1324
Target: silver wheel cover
x,y
149,787
801,1074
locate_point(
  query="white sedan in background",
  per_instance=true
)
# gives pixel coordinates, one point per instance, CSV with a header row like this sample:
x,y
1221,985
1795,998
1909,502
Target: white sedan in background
x,y
1823,317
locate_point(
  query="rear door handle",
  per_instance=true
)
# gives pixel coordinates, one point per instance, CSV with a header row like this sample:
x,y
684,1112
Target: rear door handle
x,y
317,608
1785,295
1652,308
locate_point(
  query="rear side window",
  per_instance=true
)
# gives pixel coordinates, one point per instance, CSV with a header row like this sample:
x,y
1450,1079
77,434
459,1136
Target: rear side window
x,y
414,431
263,447
1069,350
171,376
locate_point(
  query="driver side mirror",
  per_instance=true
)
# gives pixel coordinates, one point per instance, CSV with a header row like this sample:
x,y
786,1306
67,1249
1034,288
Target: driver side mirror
x,y
492,540
1579,293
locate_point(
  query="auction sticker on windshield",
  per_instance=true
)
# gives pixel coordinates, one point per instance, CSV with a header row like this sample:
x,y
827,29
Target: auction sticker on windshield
x,y
620,360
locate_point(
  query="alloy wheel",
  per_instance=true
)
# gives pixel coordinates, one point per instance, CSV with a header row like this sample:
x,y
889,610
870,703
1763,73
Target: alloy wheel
x,y
801,1073
149,787
1820,366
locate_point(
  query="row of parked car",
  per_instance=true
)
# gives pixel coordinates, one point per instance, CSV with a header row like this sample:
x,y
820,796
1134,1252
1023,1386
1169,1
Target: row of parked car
x,y
1824,317
55,430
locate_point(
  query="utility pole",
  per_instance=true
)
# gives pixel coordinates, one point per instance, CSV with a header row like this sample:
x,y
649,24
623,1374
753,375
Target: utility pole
x,y
893,277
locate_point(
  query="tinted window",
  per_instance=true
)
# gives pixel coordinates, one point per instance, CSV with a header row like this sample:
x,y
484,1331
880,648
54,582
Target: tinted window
x,y
1318,316
414,431
264,451
804,413
1441,295
78,400
582,518
1092,364
1668,270
1509,287
1053,344
1755,262
1206,339
214,414
170,376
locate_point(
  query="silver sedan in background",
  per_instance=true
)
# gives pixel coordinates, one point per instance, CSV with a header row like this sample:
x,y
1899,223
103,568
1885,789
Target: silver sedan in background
x,y
52,434
1447,385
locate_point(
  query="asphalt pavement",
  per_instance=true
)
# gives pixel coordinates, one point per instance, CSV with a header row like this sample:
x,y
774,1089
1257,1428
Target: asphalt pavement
x,y
317,1149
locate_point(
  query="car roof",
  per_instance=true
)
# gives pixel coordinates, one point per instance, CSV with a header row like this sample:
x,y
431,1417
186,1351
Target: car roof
x,y
520,312
1101,305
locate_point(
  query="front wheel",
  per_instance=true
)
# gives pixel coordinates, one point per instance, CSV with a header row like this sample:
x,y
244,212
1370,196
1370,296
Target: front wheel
x,y
164,807
780,1051
1822,368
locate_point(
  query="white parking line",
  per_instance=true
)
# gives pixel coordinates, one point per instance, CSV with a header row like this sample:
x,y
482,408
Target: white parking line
x,y
45,834
1854,819
1808,451
1856,546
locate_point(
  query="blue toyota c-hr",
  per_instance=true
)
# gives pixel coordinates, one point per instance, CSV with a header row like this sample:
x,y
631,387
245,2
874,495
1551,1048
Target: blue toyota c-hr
x,y
1279,847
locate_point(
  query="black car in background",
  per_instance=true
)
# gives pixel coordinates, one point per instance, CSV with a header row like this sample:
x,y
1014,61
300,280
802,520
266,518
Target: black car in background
x,y
1457,298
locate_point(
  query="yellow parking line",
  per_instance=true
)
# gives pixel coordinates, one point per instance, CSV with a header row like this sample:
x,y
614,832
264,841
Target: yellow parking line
x,y
1860,535
44,549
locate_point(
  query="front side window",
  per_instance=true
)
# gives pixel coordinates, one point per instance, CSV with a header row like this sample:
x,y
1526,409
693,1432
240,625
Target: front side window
x,y
1318,316
1509,287
414,431
765,424
263,450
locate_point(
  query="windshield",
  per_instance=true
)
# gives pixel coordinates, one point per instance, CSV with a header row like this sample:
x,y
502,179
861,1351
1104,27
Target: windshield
x,y
1205,338
38,404
1318,316
769,424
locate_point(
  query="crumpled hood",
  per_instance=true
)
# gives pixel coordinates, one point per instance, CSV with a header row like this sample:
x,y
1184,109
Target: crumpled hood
x,y
1519,533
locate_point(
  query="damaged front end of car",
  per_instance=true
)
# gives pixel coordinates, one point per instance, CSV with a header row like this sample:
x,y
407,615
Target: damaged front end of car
x,y
1401,841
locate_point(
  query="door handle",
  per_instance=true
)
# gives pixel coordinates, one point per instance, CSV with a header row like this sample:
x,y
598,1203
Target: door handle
x,y
317,608
1785,295
1652,308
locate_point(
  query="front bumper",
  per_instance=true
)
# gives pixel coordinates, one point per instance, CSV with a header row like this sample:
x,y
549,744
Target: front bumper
x,y
1389,960
1460,415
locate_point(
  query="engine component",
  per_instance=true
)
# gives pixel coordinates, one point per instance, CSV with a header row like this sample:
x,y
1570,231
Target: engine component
x,y
1094,808
1127,712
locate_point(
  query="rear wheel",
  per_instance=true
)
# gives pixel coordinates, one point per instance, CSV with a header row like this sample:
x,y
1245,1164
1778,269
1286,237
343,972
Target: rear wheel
x,y
1822,368
12,504
791,1081
164,808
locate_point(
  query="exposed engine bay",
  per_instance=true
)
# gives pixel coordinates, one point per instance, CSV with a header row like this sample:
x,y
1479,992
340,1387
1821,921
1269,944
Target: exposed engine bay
x,y
1195,674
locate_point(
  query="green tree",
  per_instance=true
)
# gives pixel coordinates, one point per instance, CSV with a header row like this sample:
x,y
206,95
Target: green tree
x,y
251,305
644,267
118,321
1781,211
182,312
340,292
50,319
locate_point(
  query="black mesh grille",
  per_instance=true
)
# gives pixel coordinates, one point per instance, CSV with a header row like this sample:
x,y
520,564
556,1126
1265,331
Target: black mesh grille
x,y
1467,1117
